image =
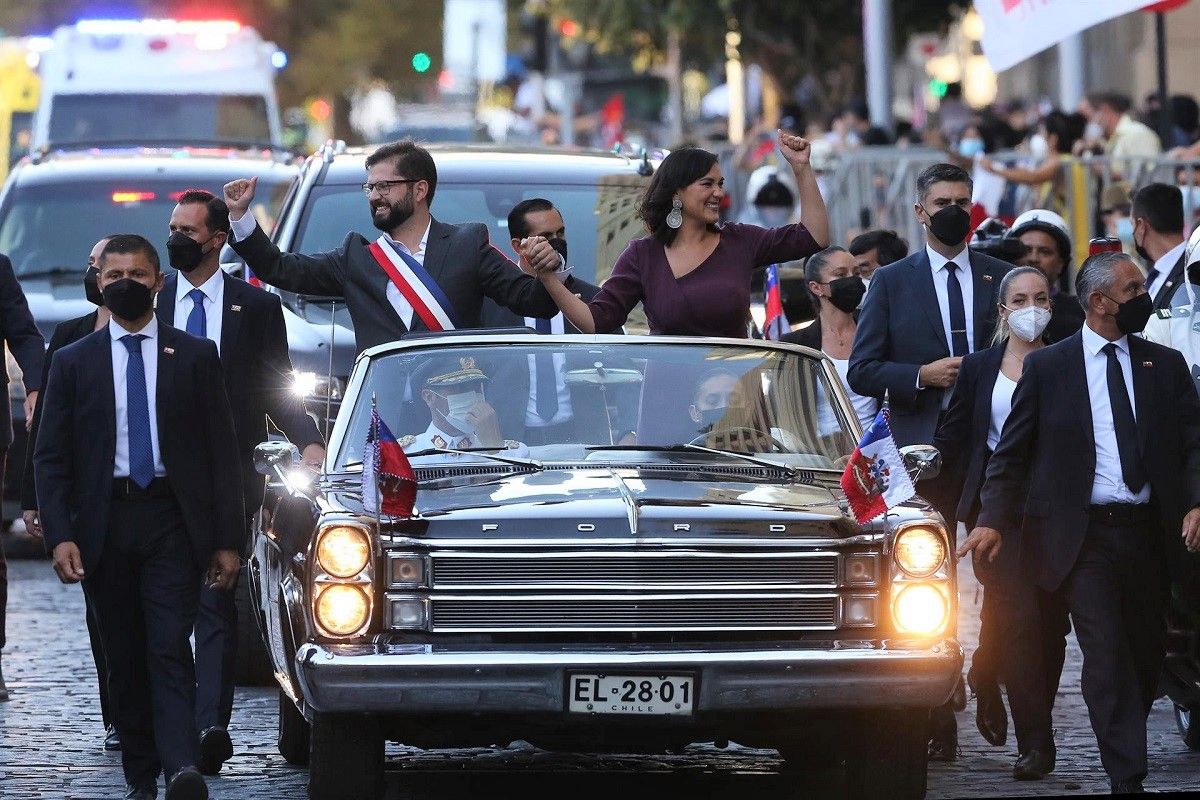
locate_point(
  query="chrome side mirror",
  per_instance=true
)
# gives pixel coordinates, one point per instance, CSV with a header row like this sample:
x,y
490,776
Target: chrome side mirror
x,y
923,461
272,456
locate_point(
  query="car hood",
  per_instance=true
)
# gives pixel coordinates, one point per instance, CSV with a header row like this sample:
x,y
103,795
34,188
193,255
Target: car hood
x,y
55,300
621,502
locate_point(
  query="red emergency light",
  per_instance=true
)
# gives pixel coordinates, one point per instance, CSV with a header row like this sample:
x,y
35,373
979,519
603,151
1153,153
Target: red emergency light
x,y
128,196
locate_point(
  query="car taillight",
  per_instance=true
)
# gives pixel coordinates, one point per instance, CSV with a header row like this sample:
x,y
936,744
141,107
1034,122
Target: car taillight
x,y
125,196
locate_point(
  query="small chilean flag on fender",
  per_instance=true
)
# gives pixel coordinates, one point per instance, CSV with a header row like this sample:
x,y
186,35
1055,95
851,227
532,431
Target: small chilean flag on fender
x,y
389,484
876,479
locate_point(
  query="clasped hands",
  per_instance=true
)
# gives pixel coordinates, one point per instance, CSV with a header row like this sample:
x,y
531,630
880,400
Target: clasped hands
x,y
538,257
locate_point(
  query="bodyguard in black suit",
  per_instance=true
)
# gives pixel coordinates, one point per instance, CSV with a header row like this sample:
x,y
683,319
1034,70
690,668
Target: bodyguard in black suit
x,y
926,311
66,333
18,331
246,323
1098,473
461,263
1158,235
139,492
1022,629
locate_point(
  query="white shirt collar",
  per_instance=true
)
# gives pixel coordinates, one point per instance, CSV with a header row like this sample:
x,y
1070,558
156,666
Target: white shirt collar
x,y
420,247
209,287
150,331
1164,264
937,261
1093,342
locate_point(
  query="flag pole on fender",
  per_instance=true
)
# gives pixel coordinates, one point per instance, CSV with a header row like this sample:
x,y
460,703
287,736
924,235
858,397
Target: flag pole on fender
x,y
389,484
875,479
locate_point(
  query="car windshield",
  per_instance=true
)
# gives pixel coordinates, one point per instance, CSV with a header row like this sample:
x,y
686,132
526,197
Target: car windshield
x,y
603,402
48,226
158,118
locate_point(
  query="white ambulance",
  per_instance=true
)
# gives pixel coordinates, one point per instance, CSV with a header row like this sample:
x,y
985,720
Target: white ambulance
x,y
158,82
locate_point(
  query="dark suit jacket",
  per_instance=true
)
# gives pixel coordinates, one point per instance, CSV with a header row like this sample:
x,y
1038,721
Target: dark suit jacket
x,y
900,330
65,333
257,371
1040,476
962,437
459,257
1167,290
24,341
76,445
808,336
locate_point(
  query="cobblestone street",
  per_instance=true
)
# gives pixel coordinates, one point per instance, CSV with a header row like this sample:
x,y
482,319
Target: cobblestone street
x,y
50,738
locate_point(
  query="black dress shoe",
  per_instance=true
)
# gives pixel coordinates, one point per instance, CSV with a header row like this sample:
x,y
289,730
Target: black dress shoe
x,y
141,793
1127,787
991,718
943,748
111,740
215,749
1034,765
187,784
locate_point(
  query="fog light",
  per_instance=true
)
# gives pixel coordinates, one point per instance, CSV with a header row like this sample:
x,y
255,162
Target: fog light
x,y
343,550
343,610
408,613
920,609
858,611
407,571
920,551
861,570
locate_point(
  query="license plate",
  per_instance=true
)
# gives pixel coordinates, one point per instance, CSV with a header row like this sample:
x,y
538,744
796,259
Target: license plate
x,y
650,695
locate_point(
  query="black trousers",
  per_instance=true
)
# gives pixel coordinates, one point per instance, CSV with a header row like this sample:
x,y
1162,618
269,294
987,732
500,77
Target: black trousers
x,y
1022,644
1115,593
98,658
144,592
216,656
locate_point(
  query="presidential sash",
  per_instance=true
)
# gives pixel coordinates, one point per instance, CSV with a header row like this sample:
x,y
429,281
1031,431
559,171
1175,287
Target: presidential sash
x,y
416,285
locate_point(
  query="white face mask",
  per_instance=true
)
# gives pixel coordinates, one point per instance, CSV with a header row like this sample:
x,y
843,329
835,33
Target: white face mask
x,y
1039,148
457,407
1028,323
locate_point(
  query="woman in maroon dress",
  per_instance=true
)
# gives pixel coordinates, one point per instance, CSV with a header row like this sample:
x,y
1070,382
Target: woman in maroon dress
x,y
691,276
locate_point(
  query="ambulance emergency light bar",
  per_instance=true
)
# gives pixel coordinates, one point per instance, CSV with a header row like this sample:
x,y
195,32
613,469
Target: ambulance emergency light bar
x,y
158,27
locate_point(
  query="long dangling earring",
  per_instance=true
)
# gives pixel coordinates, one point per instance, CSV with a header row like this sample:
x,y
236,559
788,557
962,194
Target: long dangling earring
x,y
675,218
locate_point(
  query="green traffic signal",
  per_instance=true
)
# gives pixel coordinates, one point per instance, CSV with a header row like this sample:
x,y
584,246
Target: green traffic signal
x,y
421,62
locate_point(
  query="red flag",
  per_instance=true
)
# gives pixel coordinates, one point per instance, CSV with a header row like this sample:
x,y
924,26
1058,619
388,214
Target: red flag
x,y
389,483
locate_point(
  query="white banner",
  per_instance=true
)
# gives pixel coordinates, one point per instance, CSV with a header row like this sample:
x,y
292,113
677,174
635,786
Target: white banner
x,y
1014,30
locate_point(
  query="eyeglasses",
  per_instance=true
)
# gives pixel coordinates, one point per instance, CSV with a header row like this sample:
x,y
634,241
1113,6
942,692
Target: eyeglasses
x,y
383,187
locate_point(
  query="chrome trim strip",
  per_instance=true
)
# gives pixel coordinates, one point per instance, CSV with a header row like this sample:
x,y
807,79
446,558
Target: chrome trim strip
x,y
399,540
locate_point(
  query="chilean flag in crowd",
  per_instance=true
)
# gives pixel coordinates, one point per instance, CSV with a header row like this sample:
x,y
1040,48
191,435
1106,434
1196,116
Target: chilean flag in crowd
x,y
389,484
253,279
776,324
876,479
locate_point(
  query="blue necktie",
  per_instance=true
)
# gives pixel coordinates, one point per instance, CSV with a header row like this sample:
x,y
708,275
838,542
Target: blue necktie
x,y
197,323
137,413
544,377
958,313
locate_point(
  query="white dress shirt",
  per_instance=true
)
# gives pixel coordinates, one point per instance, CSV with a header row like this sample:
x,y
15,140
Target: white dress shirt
x,y
1162,268
1108,486
120,364
214,298
966,279
565,412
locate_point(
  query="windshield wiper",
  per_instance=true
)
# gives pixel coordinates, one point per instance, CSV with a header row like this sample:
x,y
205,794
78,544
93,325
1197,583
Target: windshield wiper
x,y
695,448
50,272
528,463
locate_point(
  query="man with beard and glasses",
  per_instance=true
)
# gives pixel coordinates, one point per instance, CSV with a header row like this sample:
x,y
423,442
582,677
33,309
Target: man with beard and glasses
x,y
246,324
420,275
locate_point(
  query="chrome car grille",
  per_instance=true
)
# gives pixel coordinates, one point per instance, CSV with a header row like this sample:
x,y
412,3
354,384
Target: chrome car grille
x,y
636,570
566,613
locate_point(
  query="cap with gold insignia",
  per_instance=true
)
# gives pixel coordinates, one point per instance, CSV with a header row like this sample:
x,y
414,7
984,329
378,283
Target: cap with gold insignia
x,y
445,373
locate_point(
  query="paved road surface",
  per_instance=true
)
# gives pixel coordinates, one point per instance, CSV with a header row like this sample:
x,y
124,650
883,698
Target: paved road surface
x,y
50,738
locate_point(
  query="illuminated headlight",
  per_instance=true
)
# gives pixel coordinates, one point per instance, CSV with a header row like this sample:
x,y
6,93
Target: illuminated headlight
x,y
920,551
920,608
310,385
343,550
343,609
406,570
408,613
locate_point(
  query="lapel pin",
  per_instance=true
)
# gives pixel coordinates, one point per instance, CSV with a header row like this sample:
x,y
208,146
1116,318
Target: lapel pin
x,y
169,351
235,308
986,277
1147,363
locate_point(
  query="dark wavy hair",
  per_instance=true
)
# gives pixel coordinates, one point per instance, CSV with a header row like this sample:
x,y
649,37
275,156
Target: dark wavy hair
x,y
680,168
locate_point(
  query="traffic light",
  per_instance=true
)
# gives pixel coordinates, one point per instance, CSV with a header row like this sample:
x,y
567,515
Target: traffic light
x,y
938,87
421,62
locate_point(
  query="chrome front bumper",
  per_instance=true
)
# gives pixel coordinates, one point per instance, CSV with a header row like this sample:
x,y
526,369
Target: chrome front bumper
x,y
418,679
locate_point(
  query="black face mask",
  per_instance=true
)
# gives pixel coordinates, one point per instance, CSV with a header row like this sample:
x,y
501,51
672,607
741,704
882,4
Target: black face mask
x,y
1132,315
128,299
1142,254
709,417
184,252
90,289
951,225
559,245
846,293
